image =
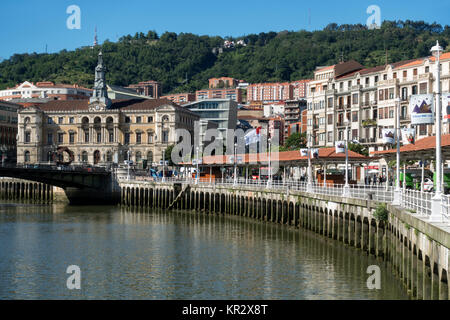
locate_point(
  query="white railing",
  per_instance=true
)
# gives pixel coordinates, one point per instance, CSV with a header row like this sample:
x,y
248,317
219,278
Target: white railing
x,y
416,202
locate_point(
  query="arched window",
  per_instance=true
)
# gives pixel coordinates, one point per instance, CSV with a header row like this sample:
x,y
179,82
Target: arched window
x,y
84,156
150,157
109,156
138,157
27,156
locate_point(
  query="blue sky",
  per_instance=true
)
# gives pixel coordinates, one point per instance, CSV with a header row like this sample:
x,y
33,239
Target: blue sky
x,y
30,26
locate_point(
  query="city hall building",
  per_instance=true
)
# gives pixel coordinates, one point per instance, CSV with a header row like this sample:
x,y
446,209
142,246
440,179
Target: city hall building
x,y
100,131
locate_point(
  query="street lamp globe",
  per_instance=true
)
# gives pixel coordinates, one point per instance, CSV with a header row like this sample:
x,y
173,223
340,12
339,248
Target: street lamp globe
x,y
436,50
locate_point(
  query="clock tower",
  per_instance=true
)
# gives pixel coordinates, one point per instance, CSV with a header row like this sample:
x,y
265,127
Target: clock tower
x,y
100,100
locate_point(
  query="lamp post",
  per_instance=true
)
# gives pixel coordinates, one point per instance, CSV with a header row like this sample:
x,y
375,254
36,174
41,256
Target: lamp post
x,y
128,165
235,181
164,166
436,200
269,178
197,174
397,191
346,189
309,186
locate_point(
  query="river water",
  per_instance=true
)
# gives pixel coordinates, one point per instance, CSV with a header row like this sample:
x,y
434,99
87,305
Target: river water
x,y
148,254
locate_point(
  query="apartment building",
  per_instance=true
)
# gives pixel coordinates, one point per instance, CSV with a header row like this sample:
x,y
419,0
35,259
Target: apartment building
x,y
229,94
180,98
368,98
45,90
149,88
270,92
223,82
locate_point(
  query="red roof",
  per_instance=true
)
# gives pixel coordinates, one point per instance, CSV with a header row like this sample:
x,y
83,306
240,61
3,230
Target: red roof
x,y
428,143
286,156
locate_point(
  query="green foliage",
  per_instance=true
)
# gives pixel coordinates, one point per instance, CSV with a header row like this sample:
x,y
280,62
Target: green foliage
x,y
369,122
296,141
358,148
168,154
381,212
171,58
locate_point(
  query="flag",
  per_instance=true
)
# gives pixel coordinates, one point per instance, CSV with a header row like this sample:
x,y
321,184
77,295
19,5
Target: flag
x,y
388,136
252,136
421,108
340,147
408,135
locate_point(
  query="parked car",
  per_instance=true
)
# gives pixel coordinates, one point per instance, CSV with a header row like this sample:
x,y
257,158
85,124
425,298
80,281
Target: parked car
x,y
428,185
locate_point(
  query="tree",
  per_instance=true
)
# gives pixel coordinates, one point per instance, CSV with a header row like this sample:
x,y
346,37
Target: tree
x,y
168,154
296,141
358,148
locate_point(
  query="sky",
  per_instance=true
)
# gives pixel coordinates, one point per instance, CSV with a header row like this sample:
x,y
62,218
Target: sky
x,y
28,26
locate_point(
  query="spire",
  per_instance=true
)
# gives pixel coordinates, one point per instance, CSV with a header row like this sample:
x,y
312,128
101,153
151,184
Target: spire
x,y
100,93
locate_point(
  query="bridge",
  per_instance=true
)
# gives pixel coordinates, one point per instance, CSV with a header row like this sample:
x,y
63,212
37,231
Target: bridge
x,y
81,185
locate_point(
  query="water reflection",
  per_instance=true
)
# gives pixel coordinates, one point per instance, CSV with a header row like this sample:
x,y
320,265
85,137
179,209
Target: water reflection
x,y
144,254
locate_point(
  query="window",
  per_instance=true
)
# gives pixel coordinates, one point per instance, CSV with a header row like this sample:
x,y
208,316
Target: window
x,y
394,75
27,137
330,119
60,137
150,137
109,156
86,136
391,93
27,157
60,120
99,137
384,76
423,88
422,129
404,93
427,69
376,79
111,136
71,120
50,120
127,138
50,138
414,72
355,134
138,138
150,119
84,156
414,90
355,98
127,120
330,136
138,119
355,116
165,136
71,137
391,112
330,102
405,74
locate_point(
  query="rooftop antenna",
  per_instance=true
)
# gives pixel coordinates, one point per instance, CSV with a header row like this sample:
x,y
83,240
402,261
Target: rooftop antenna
x,y
95,37
309,17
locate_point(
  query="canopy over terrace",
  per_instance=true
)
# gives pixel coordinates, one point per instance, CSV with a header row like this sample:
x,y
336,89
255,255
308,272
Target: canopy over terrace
x,y
422,149
286,158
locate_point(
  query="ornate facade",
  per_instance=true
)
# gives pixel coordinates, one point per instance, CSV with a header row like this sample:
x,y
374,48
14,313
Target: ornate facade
x,y
101,131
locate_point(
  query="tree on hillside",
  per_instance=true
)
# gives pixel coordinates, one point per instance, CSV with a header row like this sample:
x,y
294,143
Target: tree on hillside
x,y
296,141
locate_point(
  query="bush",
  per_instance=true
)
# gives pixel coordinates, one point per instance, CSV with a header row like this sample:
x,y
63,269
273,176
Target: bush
x,y
381,212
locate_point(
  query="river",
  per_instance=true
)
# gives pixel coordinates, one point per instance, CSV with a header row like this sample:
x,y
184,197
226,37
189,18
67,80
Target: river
x,y
152,254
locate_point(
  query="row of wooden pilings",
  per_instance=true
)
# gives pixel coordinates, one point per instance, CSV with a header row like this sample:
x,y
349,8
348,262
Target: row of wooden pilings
x,y
420,262
14,189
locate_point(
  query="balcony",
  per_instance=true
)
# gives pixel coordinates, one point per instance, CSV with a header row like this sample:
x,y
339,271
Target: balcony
x,y
390,82
330,92
405,117
357,87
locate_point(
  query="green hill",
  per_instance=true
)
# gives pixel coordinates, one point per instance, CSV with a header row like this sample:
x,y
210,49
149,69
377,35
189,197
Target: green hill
x,y
271,56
